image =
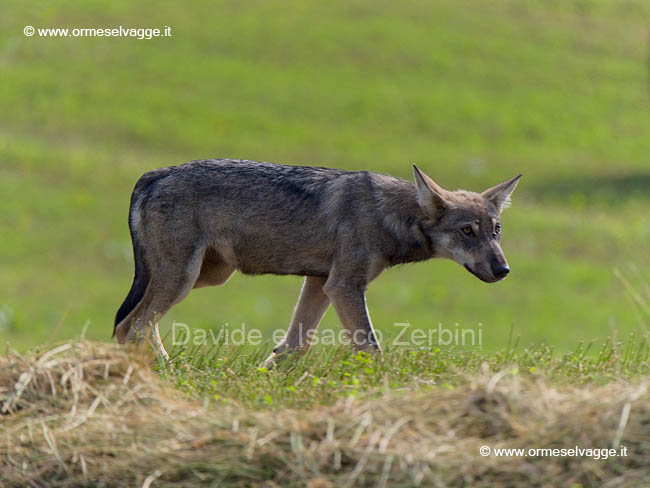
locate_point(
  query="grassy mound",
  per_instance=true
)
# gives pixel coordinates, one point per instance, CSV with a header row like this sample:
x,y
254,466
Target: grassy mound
x,y
91,414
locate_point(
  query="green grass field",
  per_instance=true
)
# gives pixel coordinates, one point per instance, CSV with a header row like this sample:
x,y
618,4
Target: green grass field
x,y
473,92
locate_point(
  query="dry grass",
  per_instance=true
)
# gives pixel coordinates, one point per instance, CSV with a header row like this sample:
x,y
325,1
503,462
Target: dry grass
x,y
92,414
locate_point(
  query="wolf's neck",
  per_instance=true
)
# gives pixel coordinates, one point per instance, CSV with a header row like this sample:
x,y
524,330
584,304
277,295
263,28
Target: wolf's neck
x,y
403,222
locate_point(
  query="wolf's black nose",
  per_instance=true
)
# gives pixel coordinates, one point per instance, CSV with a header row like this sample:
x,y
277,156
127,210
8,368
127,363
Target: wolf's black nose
x,y
500,271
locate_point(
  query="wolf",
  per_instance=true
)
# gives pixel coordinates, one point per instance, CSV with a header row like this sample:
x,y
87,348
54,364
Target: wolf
x,y
195,224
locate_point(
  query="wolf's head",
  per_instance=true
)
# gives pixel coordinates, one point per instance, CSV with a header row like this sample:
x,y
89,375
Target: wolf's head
x,y
466,226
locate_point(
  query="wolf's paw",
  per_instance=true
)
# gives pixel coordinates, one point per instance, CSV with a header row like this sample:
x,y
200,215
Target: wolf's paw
x,y
272,360
279,354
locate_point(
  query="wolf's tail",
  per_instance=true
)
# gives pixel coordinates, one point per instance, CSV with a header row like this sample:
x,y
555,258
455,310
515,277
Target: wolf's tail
x,y
140,278
139,286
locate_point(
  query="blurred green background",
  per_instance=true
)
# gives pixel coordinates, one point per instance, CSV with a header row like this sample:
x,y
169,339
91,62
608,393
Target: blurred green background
x,y
473,91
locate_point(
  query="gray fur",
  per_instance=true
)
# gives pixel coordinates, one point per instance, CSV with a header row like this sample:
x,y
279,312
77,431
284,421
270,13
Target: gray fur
x,y
193,225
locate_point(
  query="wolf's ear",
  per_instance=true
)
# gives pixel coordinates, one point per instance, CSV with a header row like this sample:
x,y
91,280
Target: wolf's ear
x,y
430,195
499,195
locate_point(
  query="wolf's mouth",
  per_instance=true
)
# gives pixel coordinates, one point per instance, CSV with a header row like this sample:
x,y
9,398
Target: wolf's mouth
x,y
491,279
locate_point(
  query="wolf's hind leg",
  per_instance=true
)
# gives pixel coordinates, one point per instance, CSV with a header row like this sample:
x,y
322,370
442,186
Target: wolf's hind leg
x,y
309,311
169,285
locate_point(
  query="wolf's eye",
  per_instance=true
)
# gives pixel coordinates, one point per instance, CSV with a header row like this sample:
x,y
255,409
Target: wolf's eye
x,y
467,230
497,229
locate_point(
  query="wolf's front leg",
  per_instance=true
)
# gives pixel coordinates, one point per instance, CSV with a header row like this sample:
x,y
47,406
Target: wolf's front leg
x,y
350,305
311,307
